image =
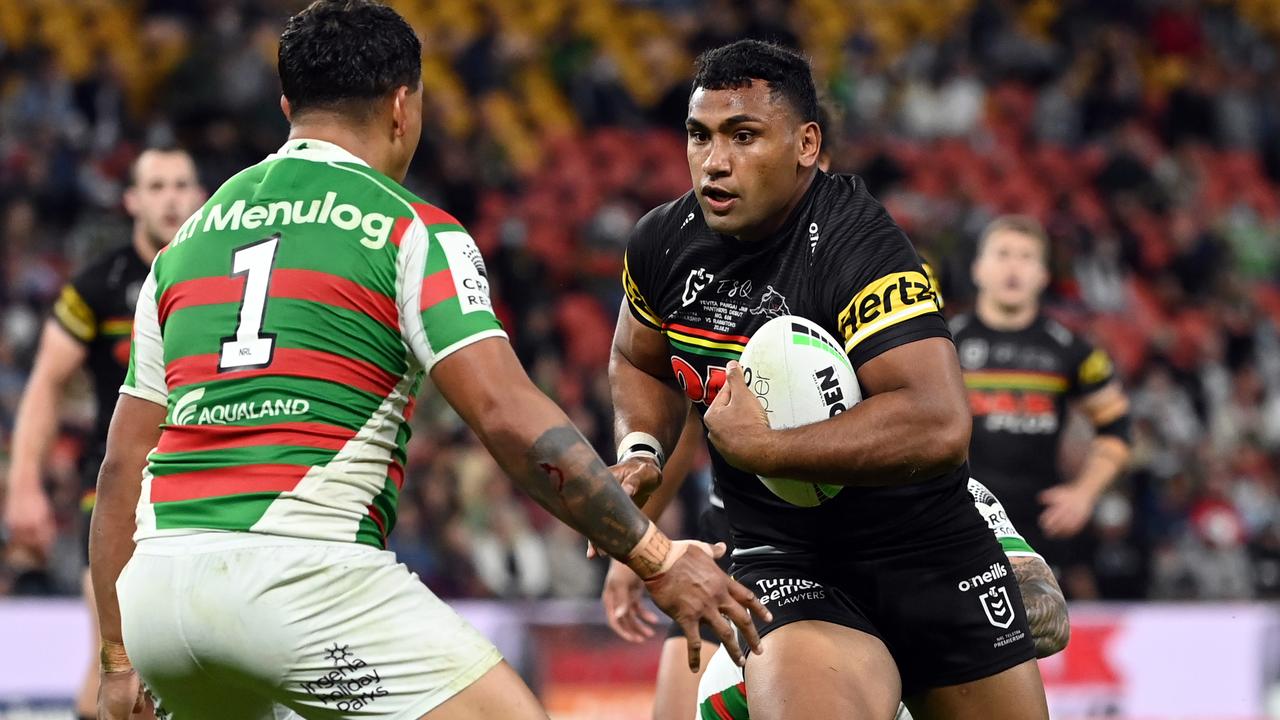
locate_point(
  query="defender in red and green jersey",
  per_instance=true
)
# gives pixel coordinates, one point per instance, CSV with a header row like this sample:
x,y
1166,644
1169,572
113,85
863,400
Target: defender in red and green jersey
x,y
288,327
278,344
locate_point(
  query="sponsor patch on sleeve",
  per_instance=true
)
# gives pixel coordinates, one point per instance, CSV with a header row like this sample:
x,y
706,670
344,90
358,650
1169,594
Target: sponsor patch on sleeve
x,y
75,315
470,280
1096,368
892,299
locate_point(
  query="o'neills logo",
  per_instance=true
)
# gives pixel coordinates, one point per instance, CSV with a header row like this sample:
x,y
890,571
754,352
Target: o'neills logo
x,y
997,571
375,227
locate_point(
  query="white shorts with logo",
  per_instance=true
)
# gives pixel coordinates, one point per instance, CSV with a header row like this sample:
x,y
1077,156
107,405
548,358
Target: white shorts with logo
x,y
247,626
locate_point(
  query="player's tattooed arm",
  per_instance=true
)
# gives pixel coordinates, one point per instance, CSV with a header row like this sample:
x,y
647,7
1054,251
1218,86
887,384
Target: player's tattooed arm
x,y
566,476
534,442
1046,607
537,445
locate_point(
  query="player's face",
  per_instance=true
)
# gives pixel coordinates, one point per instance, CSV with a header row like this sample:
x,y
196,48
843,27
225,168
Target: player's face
x,y
748,154
1011,269
164,194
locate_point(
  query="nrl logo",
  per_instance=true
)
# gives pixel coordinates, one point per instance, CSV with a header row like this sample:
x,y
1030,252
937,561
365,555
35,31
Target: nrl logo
x,y
697,281
996,605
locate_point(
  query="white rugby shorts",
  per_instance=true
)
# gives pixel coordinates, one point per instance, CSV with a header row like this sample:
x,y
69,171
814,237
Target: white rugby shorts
x,y
249,626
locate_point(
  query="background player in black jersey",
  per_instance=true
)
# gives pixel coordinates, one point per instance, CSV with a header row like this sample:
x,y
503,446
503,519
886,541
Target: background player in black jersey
x,y
873,591
1022,371
90,327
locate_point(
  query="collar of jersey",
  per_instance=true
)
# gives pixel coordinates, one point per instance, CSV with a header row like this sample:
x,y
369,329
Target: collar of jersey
x,y
316,151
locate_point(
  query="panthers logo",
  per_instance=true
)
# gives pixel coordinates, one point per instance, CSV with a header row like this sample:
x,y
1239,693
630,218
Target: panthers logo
x,y
772,304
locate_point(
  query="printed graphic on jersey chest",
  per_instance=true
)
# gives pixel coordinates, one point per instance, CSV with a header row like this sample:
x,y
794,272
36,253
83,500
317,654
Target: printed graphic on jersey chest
x,y
1013,387
724,302
715,318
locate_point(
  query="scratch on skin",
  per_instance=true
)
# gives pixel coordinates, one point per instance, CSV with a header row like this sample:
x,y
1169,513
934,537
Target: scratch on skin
x,y
555,472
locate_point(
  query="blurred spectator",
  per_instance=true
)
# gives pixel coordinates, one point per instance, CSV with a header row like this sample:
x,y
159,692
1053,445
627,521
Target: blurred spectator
x,y
510,557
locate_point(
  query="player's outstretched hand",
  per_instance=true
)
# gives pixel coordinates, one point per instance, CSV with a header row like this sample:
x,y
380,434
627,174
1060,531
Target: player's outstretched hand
x,y
1067,510
624,605
29,521
120,695
737,424
695,590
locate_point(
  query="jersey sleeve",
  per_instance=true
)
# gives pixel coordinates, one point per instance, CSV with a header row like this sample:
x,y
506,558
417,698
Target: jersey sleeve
x,y
145,378
875,287
442,293
991,510
932,277
639,271
1091,369
74,308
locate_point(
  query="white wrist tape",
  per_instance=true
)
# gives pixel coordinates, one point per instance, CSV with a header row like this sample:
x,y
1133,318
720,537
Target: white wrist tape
x,y
639,444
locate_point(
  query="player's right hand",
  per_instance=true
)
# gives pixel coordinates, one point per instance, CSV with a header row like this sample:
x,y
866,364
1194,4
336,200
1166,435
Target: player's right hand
x,y
624,606
28,518
119,695
639,476
695,590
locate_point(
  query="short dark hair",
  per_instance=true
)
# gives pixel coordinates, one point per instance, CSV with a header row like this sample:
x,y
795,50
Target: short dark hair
x,y
339,54
735,65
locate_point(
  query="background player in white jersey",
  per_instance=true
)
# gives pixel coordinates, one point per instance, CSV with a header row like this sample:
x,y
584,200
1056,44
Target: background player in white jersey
x,y
90,328
261,428
723,694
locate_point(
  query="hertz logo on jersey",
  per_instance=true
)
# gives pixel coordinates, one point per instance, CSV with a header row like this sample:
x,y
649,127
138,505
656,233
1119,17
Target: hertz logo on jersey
x,y
886,302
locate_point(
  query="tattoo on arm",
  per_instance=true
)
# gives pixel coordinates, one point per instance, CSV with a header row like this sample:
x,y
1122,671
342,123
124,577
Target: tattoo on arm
x,y
1046,608
554,472
567,476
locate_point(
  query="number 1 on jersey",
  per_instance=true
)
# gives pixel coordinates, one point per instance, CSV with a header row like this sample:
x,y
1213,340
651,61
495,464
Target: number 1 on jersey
x,y
250,347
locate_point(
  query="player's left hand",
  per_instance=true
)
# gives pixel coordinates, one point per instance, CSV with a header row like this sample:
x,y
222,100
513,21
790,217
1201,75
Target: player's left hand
x,y
1067,510
737,424
120,695
624,608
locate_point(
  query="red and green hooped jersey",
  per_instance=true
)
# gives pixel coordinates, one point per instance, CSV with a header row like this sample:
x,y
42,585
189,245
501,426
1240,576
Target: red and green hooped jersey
x,y
287,328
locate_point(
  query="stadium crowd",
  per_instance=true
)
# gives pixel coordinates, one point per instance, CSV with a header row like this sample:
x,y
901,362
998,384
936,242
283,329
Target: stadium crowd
x,y
1143,134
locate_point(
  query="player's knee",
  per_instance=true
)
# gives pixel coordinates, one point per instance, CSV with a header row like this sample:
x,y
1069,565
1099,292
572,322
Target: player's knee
x,y
817,690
